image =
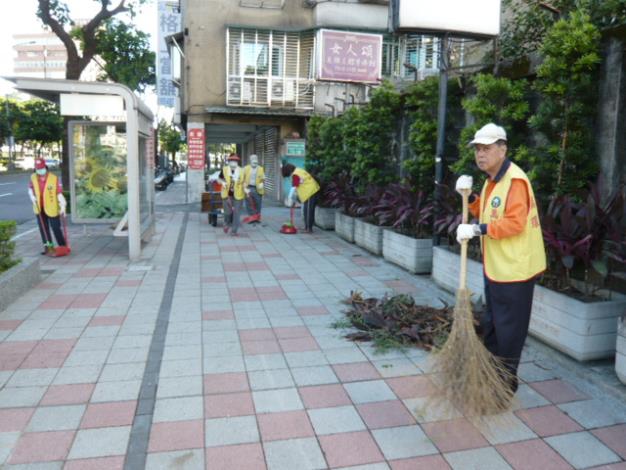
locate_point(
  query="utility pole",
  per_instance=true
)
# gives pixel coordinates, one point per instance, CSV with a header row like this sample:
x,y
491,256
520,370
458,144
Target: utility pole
x,y
10,165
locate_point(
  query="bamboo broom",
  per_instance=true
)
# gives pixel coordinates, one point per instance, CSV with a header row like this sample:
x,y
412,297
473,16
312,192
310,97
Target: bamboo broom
x,y
468,376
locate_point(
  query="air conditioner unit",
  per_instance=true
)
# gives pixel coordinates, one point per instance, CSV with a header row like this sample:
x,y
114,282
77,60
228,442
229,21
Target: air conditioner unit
x,y
236,94
285,89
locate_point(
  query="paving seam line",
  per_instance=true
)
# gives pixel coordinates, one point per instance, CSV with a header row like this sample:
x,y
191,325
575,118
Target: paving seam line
x,y
140,432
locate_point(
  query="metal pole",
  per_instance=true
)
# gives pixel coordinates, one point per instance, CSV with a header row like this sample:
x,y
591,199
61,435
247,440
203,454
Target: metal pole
x,y
10,165
441,130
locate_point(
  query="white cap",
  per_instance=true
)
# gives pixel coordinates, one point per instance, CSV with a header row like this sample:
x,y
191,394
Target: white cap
x,y
488,134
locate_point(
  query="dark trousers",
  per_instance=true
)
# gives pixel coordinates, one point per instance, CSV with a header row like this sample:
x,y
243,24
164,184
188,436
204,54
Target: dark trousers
x,y
44,231
308,212
505,321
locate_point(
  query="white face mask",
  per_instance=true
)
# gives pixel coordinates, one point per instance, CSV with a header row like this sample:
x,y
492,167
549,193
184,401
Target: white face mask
x,y
254,163
41,171
232,165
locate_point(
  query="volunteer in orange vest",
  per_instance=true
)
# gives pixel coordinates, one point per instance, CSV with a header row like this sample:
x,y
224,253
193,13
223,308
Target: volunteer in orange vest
x,y
46,194
253,181
306,189
233,194
512,245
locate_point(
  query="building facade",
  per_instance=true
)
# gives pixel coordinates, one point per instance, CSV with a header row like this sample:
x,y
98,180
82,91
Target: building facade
x,y
248,72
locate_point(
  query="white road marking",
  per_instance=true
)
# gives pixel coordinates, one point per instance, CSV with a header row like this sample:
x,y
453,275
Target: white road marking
x,y
4,184
7,194
25,233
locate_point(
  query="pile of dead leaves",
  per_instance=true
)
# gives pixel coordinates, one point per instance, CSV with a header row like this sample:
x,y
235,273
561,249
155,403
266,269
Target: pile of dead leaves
x,y
396,321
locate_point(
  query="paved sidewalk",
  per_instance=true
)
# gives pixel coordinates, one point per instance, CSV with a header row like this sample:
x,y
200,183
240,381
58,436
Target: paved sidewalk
x,y
216,352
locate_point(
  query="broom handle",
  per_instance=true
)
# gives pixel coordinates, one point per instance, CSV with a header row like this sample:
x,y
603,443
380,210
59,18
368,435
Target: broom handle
x,y
463,278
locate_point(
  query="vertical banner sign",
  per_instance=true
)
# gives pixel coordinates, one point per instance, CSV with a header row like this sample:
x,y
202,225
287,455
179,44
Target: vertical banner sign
x,y
169,23
350,57
195,149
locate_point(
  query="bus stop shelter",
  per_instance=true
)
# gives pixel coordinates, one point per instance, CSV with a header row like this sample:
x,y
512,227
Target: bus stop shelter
x,y
111,152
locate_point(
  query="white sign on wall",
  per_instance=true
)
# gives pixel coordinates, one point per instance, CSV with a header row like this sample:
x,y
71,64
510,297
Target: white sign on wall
x,y
169,23
480,18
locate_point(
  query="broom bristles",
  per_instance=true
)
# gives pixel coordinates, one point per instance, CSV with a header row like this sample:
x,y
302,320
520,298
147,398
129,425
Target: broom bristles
x,y
466,374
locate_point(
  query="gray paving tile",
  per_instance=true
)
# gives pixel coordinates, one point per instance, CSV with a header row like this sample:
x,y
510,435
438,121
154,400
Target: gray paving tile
x,y
118,372
335,420
272,401
306,359
173,353
192,459
32,377
232,348
127,355
345,355
372,466
56,418
179,387
86,358
593,413
526,397
503,428
265,362
303,454
369,391
178,409
424,411
582,450
224,364
13,397
396,367
227,431
100,442
181,368
270,379
116,391
403,442
477,459
316,375
78,375
531,372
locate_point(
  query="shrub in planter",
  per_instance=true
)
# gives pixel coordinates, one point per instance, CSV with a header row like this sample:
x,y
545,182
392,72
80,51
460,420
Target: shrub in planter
x,y
368,232
571,310
341,195
7,247
408,243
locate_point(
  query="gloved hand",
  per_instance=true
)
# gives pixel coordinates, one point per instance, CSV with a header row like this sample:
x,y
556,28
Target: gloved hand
x,y
247,191
292,195
259,186
62,204
467,232
32,197
464,182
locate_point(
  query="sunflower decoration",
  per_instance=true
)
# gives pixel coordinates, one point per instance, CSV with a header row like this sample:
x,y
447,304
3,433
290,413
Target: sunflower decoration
x,y
98,180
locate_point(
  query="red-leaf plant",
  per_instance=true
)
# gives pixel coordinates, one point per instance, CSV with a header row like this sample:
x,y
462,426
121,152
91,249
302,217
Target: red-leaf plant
x,y
405,209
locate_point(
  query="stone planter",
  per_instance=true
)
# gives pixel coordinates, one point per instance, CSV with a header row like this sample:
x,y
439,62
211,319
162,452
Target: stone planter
x,y
344,226
414,255
582,330
325,217
18,280
368,236
620,357
446,267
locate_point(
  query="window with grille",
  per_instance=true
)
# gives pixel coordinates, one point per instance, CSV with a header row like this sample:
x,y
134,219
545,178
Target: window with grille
x,y
421,52
270,68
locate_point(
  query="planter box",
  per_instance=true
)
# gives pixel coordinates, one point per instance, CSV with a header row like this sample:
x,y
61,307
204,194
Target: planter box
x,y
325,217
344,226
582,330
446,267
368,236
414,255
18,280
620,357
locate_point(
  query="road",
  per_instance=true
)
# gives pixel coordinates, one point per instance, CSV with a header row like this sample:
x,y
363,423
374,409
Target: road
x,y
14,202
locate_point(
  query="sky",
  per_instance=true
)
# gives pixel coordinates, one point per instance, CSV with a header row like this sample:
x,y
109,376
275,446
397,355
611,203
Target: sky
x,y
19,16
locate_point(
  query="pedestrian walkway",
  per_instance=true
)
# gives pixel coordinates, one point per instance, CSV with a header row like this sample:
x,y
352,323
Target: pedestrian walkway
x,y
216,352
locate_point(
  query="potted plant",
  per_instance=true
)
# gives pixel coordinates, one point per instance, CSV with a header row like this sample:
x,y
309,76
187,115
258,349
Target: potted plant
x,y
446,257
368,232
572,309
340,193
408,241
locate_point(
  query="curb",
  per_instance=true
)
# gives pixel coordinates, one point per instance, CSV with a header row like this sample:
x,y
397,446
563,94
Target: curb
x,y
18,280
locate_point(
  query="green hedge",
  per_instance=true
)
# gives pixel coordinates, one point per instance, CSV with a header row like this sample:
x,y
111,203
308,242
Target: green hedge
x,y
7,247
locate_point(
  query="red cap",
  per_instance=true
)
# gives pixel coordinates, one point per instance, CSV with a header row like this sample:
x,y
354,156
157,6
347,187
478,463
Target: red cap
x,y
233,156
40,164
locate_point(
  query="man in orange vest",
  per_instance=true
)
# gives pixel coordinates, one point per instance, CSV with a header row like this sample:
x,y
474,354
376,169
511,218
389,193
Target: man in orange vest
x,y
46,194
512,245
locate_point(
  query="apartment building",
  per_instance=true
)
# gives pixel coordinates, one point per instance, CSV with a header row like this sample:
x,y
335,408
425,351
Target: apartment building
x,y
250,72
